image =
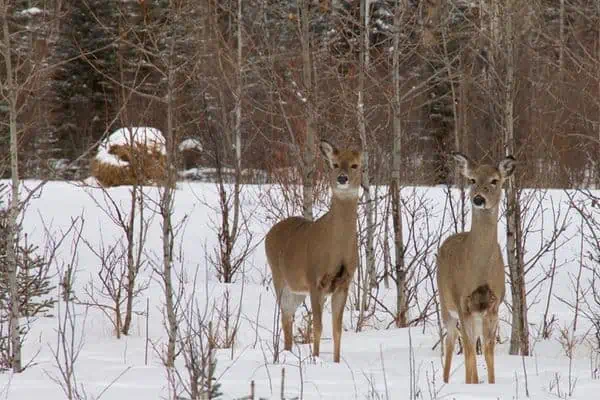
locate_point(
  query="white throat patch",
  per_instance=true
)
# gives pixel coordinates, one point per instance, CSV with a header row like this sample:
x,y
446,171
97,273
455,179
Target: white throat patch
x,y
345,192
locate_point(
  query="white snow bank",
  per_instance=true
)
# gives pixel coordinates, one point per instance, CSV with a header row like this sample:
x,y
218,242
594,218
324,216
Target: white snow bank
x,y
151,138
190,144
31,11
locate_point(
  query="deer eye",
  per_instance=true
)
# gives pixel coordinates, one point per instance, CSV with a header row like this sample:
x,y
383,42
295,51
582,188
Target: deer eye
x,y
354,166
494,182
336,165
472,181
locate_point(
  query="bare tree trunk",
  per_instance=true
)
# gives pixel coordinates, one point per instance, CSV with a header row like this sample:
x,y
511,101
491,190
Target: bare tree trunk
x,y
520,332
387,252
238,102
129,229
12,239
134,254
597,161
519,339
370,276
460,144
561,45
308,155
230,204
458,119
128,225
131,263
166,211
401,301
238,124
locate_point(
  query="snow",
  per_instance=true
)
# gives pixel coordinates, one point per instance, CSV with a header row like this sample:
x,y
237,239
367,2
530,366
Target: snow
x,y
205,174
31,11
301,97
378,362
190,144
150,137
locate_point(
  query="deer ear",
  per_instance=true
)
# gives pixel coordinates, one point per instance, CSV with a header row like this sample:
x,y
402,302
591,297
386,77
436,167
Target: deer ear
x,y
507,166
329,151
464,163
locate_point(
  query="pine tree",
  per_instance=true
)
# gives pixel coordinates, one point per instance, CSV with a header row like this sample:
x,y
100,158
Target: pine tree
x,y
85,92
28,33
32,282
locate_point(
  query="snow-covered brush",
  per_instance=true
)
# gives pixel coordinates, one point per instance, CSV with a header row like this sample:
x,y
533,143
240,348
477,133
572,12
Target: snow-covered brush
x,y
135,156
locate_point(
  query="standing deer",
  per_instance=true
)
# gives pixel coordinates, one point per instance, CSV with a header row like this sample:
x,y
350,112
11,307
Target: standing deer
x,y
471,269
319,258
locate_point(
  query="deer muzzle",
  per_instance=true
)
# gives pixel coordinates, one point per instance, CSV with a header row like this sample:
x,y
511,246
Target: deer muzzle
x,y
342,179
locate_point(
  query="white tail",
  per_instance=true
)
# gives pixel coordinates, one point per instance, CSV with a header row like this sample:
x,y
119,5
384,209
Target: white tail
x,y
319,258
471,270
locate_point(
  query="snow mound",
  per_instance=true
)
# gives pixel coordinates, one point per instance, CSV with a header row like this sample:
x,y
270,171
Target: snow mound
x,y
31,11
149,138
190,144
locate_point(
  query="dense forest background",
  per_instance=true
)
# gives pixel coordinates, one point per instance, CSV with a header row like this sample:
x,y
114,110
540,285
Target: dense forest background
x,y
484,77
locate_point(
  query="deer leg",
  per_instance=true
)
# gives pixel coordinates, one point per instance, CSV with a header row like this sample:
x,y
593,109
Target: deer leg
x,y
287,322
316,302
467,327
289,302
338,302
451,335
490,326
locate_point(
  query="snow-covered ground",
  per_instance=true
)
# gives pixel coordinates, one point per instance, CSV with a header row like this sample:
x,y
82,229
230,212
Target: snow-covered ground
x,y
378,362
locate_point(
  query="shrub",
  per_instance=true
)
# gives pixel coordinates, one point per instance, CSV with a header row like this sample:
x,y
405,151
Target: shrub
x,y
131,156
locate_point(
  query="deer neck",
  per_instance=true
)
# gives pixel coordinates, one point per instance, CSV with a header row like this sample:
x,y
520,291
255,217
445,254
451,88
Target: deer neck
x,y
484,228
342,213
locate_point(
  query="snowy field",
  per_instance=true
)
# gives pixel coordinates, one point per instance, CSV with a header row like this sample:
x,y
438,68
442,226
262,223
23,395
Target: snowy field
x,y
379,362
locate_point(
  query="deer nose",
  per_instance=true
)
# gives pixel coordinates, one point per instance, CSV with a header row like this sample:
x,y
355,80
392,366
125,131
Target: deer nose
x,y
478,200
342,179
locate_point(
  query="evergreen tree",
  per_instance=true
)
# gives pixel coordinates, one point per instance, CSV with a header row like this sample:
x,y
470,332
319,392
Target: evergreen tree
x,y
33,284
28,34
84,84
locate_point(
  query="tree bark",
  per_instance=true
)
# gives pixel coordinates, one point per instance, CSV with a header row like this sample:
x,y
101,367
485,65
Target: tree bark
x,y
370,276
561,45
458,118
396,187
597,161
131,262
12,228
166,211
519,341
238,125
308,154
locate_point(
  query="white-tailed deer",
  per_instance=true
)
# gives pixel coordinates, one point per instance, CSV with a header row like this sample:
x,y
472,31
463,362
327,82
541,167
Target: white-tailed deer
x,y
319,257
470,274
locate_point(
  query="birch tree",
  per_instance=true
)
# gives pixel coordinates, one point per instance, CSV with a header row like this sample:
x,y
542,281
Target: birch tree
x,y
503,15
456,82
10,95
369,277
597,171
167,197
308,154
230,230
164,50
222,109
396,185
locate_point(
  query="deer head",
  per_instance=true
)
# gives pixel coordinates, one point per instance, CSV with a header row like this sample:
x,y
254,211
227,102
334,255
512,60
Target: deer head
x,y
485,180
344,170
